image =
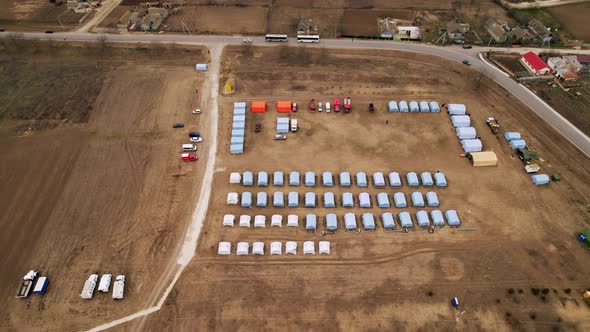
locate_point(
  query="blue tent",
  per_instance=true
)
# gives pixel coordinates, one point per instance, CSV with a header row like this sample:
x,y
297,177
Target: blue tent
x,y
329,201
440,179
417,199
361,179
452,218
294,179
246,199
237,132
327,179
412,179
393,106
424,106
309,200
437,218
347,200
434,106
422,218
387,220
278,178
399,199
261,199
278,199
511,135
237,140
364,200
540,179
236,148
331,222
240,104
414,106
432,199
238,125
248,179
394,179
262,179
345,179
368,221
311,222
240,111
378,179
239,118
350,221
426,178
293,199
518,144
309,179
383,200
403,106
405,220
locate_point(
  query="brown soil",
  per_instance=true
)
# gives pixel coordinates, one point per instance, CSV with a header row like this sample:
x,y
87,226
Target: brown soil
x,y
574,18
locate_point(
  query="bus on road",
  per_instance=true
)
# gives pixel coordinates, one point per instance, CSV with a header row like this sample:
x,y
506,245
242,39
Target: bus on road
x,y
276,38
308,38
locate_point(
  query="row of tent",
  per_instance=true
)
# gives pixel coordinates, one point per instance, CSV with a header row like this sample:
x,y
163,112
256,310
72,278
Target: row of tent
x,y
276,248
515,140
405,220
465,132
238,130
327,179
283,125
413,106
329,200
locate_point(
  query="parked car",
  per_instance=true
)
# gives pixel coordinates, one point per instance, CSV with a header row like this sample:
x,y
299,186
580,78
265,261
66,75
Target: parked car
x,y
194,134
189,147
467,62
48,31
189,157
320,107
196,139
280,137
294,107
257,127
327,107
371,107
197,111
2,30
178,125
467,47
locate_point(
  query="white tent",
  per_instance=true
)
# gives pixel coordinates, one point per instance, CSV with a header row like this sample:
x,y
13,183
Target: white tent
x,y
440,179
293,199
311,222
417,199
426,178
456,109
260,221
461,121
278,199
224,248
309,179
345,179
329,200
294,178
276,248
350,221
392,105
471,145
364,200
424,107
412,179
248,179
292,220
422,218
291,248
432,199
278,178
276,220
327,179
261,199
414,106
399,199
309,248
403,106
378,180
262,179
347,200
243,249
232,198
361,179
394,179
309,200
434,106
235,177
405,219
246,199
228,220
258,248
324,247
466,133
383,200
245,220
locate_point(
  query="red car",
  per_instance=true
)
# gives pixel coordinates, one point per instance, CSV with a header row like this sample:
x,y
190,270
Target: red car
x,y
312,106
294,107
189,157
336,105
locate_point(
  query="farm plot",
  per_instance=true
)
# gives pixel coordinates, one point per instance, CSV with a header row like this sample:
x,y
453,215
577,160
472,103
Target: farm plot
x,y
218,20
574,19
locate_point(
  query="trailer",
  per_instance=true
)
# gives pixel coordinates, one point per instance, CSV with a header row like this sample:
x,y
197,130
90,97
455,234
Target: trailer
x,y
105,283
346,104
26,284
89,285
41,286
119,287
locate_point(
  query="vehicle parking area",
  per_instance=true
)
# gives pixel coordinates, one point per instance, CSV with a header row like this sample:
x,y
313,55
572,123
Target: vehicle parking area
x,y
514,261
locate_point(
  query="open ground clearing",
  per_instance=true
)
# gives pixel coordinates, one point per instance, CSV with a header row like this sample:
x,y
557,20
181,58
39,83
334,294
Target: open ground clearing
x,y
36,15
522,268
574,18
104,190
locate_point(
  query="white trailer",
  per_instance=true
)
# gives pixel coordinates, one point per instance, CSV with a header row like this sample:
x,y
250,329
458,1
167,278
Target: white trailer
x,y
105,283
293,125
89,285
119,287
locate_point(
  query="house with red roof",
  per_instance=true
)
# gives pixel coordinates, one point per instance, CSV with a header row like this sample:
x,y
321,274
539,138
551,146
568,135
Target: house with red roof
x,y
534,63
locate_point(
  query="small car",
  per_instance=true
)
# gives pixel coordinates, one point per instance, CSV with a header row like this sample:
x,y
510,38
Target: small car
x,y
467,47
320,107
280,137
194,134
327,107
247,40
196,139
371,107
197,111
257,127
467,62
178,125
49,31
294,107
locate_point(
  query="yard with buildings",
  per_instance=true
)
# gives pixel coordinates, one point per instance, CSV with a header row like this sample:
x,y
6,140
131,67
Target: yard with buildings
x,y
39,15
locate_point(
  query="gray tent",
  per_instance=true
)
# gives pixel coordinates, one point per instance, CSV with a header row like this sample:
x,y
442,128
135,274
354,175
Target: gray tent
x,y
345,179
294,179
364,200
378,179
331,222
399,199
432,199
440,179
327,179
350,221
329,200
422,218
405,220
417,199
293,199
426,178
383,200
437,218
412,179
246,199
311,222
310,179
394,179
347,200
414,106
403,106
387,220
309,200
261,199
248,179
424,106
368,221
452,218
361,179
278,178
262,179
278,199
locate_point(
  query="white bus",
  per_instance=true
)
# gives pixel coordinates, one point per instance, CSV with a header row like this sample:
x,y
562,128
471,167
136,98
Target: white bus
x,y
276,38
308,38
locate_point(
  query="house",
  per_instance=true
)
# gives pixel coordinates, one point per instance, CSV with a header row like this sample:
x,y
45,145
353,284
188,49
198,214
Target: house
x,y
408,33
456,31
583,59
124,21
520,35
497,31
534,63
538,29
566,67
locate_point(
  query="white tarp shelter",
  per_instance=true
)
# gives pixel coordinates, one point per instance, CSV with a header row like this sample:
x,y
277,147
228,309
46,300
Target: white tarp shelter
x,y
437,218
472,145
412,179
540,179
258,248
278,199
394,179
434,106
368,221
243,249
294,179
461,121
246,199
378,180
261,199
309,179
422,218
405,220
392,105
276,220
245,220
516,144
511,135
364,200
327,179
440,179
276,248
278,178
324,247
235,177
331,222
424,107
262,179
260,221
426,178
224,248
232,198
466,133
345,179
329,200
417,199
350,221
311,222
456,109
290,248
399,199
293,199
387,220
432,199
309,248
414,106
452,218
383,200
347,200
361,179
403,106
309,200
229,220
292,220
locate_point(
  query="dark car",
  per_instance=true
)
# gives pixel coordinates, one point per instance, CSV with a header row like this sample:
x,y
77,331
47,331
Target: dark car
x,y
371,107
2,30
194,134
467,62
49,31
178,125
467,47
257,127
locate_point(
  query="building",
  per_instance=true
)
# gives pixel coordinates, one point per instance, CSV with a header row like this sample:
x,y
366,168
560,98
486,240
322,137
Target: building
x,y
408,33
566,67
520,35
538,29
583,59
497,31
534,63
456,31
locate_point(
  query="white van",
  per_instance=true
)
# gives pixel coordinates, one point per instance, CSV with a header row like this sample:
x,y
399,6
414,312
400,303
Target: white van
x,y
327,107
189,147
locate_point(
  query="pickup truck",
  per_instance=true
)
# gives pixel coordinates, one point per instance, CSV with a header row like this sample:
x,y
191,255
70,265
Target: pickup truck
x,y
26,284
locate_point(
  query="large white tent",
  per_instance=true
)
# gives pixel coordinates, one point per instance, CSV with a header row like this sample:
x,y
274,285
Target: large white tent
x,y
405,220
246,199
345,179
452,218
329,200
276,248
461,121
294,179
378,180
278,178
361,179
243,249
245,220
324,247
456,109
309,248
311,222
276,220
235,177
228,220
248,179
417,199
260,221
394,179
258,248
440,179
232,198
383,200
331,221
309,179
368,221
412,179
437,218
471,145
290,248
347,200
224,248
426,178
422,218
432,199
293,199
350,221
327,179
387,220
424,107
309,200
466,133
278,199
292,220
261,199
364,200
399,199
262,179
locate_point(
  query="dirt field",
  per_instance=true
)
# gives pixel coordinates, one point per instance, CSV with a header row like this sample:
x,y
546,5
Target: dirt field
x,y
364,22
35,15
574,19
105,192
218,20
522,269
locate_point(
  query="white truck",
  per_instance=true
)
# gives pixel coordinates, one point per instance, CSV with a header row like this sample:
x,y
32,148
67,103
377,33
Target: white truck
x,y
119,287
293,125
105,283
26,284
89,285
